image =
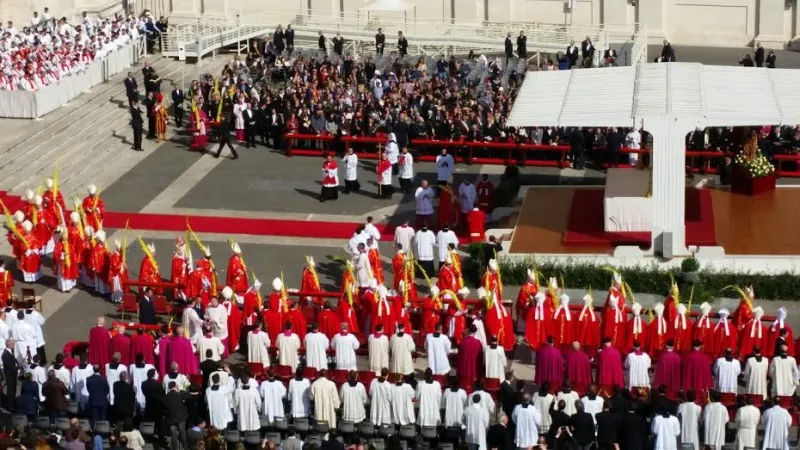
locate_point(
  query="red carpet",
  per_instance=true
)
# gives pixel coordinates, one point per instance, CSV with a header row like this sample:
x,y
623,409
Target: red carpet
x,y
585,227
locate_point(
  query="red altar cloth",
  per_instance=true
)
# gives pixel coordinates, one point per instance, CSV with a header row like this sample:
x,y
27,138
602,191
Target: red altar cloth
x,y
742,183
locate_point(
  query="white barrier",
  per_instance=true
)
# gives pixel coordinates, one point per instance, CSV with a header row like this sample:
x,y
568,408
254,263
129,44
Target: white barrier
x,y
32,105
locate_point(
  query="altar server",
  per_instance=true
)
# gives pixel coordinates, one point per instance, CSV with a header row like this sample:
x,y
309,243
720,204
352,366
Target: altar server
x,y
637,365
438,347
378,348
476,420
776,421
747,419
755,374
784,374
219,404
247,403
288,344
354,397
345,345
326,399
402,346
316,344
714,418
726,373
528,421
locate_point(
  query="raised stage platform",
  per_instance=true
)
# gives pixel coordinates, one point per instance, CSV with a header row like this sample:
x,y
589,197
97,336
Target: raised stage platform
x,y
570,220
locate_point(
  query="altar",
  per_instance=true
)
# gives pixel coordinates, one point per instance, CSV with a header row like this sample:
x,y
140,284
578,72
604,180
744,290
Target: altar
x,y
627,201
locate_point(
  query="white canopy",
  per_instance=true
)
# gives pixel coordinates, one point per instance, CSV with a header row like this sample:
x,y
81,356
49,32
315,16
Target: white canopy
x,y
388,5
623,96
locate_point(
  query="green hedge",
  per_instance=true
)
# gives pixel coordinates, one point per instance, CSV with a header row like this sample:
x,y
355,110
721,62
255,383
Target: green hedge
x,y
647,279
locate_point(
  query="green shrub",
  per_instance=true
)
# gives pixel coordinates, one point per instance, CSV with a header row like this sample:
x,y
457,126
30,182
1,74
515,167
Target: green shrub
x,y
690,265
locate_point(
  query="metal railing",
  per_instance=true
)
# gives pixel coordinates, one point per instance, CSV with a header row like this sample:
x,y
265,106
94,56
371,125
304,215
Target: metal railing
x,y
639,50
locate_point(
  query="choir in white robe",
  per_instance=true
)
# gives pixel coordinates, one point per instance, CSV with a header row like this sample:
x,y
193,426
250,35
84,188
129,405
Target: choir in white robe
x,y
247,402
747,419
453,405
213,343
666,430
401,347
403,404
784,376
438,349
181,382
689,414
487,402
138,376
425,240
112,376
528,422
316,350
429,396
219,407
24,336
227,383
755,376
443,241
273,392
495,362
326,401
476,420
287,350
569,399
378,347
193,325
258,344
363,270
345,346
353,398
637,370
300,396
403,236
381,404
542,403
480,334
714,416
776,422
79,376
218,317
726,374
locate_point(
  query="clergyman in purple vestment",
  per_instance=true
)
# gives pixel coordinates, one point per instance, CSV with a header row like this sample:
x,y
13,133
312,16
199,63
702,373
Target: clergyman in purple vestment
x,y
163,346
696,370
579,368
549,366
180,350
609,367
470,354
668,370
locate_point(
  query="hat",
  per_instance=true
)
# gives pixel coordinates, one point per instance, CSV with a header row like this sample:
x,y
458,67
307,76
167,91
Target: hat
x,y
636,308
434,291
256,284
310,261
117,243
37,200
659,309
101,236
236,249
92,189
564,299
160,97
463,292
19,216
151,247
373,283
277,284
29,195
493,265
227,293
49,183
27,226
587,299
207,251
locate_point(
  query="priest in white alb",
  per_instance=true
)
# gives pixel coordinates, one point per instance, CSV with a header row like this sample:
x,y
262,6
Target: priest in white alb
x,y
326,399
219,404
210,343
378,348
288,344
429,397
496,360
316,348
637,368
273,392
362,267
300,395
192,322
345,345
247,403
784,374
726,373
217,317
776,422
401,347
403,403
353,396
755,374
380,392
714,418
689,413
453,401
438,347
747,419
528,421
258,344
476,419
666,429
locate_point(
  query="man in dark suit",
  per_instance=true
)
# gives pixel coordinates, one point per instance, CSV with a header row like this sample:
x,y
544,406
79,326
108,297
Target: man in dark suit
x,y
402,44
289,36
147,311
137,123
262,130
332,443
667,52
338,44
149,103
587,50
759,55
153,392
131,89
177,104
209,365
508,395
196,433
582,425
607,427
322,45
224,136
249,127
98,395
124,399
509,47
614,142
634,430
577,144
149,74
610,56
175,414
380,42
780,341
10,373
522,45
572,54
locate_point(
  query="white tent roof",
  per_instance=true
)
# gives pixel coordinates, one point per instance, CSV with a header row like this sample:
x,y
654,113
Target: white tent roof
x,y
388,5
622,96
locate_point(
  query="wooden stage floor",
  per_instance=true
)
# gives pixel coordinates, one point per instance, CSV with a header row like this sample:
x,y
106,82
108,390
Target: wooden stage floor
x,y
763,225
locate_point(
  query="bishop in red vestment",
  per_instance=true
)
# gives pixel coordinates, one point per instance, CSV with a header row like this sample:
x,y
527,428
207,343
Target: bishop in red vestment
x,y
208,267
234,319
94,208
447,280
375,262
17,247
6,284
180,269
329,321
398,267
276,301
491,283
538,323
252,304
671,303
696,371
64,266
455,314
774,332
754,334
615,316
309,281
54,201
30,262
668,370
525,299
44,224
680,331
142,343
563,327
237,271
148,271
744,312
609,368
588,331
637,329
99,256
298,319
704,329
549,366
100,343
382,312
121,343
198,286
498,319
726,336
274,320
657,334
117,272
431,313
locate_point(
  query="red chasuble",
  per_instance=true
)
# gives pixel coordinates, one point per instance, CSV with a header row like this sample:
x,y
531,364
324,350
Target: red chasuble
x,y
680,332
470,358
99,346
310,283
754,334
121,344
704,332
563,327
149,274
234,325
398,269
237,274
329,323
588,331
525,299
615,319
725,336
143,344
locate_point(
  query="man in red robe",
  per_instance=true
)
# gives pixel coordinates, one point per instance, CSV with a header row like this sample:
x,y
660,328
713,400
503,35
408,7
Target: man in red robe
x,y
538,324
491,282
615,316
382,311
657,333
251,304
549,365
274,319
94,208
431,313
180,350
498,319
470,356
30,261
198,286
588,331
142,343
455,321
329,322
636,329
100,343
704,329
754,334
671,303
774,333
309,281
148,271
180,269
299,324
609,368
44,224
485,191
210,270
54,201
345,308
17,247
237,271
696,371
525,299
117,272
398,266
401,303
99,256
563,327
668,370
6,284
579,368
375,263
234,319
744,312
64,266
447,280
725,334
121,343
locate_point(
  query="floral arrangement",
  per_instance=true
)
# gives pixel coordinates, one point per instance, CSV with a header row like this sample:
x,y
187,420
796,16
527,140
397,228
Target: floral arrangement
x,y
756,165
